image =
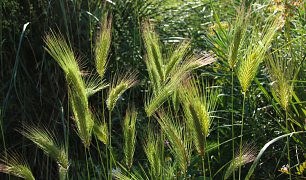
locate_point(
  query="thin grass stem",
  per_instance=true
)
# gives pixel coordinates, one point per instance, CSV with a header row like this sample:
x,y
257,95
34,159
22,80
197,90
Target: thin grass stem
x,y
203,166
87,165
288,145
110,143
208,161
241,131
233,122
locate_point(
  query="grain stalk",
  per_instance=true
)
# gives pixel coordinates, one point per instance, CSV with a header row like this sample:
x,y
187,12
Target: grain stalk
x,y
282,73
251,58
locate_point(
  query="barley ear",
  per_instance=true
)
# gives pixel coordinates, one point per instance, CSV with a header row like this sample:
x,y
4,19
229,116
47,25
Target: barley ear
x,y
119,85
248,154
153,150
176,132
14,164
281,73
103,42
129,134
153,51
237,35
199,106
58,48
46,141
259,44
100,129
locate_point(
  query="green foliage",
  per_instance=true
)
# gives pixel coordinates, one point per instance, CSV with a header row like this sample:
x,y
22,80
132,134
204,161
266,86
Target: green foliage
x,y
185,134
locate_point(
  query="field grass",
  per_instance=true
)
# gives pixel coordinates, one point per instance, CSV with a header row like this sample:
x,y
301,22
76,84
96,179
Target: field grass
x,y
153,89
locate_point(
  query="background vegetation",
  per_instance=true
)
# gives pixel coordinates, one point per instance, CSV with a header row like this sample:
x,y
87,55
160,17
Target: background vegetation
x,y
239,66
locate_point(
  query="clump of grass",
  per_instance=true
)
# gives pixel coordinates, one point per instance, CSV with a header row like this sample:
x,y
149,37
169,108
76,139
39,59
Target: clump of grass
x,y
129,134
46,141
64,56
119,85
13,164
247,155
177,133
103,44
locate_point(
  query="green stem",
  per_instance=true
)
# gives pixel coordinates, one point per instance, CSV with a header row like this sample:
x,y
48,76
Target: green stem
x,y
110,143
208,161
203,166
100,157
62,173
241,131
288,145
233,128
87,166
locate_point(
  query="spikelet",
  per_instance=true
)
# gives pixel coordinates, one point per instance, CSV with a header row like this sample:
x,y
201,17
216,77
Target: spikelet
x,y
64,56
46,141
15,165
248,154
100,128
129,134
119,85
199,106
94,84
153,150
281,73
103,44
177,135
254,54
